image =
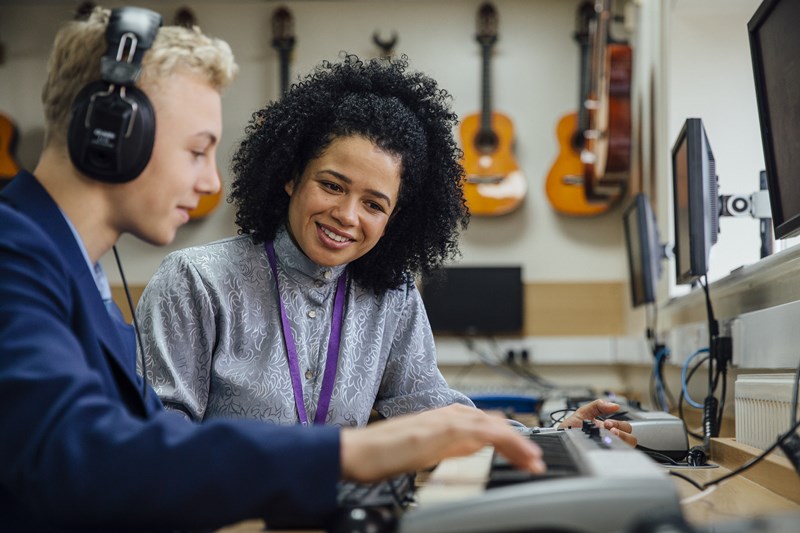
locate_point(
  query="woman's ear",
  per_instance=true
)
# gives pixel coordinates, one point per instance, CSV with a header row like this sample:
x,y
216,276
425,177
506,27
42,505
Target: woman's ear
x,y
289,187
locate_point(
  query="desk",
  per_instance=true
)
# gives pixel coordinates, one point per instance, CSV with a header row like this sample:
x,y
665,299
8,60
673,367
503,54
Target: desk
x,y
770,487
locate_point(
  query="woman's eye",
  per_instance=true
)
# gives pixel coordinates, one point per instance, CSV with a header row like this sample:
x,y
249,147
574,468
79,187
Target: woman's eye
x,y
376,207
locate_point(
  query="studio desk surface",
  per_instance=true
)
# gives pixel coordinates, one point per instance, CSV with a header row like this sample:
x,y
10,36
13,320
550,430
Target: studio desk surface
x,y
771,488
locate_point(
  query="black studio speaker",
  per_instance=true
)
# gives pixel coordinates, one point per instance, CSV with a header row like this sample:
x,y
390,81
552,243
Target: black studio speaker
x,y
112,125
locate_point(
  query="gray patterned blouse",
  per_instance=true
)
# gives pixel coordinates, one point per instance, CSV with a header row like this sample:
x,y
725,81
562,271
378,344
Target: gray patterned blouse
x,y
213,344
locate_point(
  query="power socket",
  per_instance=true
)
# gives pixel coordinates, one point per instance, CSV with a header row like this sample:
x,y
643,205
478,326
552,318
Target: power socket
x,y
510,356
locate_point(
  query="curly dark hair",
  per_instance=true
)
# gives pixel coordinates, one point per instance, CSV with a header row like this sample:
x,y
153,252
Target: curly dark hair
x,y
405,114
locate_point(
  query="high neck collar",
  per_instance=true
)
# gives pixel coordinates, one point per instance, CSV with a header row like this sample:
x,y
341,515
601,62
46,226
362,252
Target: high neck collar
x,y
295,263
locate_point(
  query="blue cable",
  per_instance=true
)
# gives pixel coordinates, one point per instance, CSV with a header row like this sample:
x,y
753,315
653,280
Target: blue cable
x,y
683,378
663,352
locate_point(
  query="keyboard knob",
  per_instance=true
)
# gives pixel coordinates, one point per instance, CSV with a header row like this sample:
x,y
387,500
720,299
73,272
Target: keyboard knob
x,y
587,426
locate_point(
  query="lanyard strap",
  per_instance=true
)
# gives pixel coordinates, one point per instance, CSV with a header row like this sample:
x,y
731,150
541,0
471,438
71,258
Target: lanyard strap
x,y
334,342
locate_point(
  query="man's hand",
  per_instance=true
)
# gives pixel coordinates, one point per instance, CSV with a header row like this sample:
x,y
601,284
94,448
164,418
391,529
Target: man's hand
x,y
592,410
412,442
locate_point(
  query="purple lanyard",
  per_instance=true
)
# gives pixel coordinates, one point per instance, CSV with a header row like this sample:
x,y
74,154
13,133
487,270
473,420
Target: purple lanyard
x,y
334,341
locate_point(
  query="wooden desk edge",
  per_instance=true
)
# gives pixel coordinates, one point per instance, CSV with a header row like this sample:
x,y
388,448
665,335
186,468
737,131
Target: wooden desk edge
x,y
774,473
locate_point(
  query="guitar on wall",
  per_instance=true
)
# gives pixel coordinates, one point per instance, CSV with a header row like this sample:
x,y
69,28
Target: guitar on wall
x,y
208,202
8,140
493,184
607,152
283,41
565,181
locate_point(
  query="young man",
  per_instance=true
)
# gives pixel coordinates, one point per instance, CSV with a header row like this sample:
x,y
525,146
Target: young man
x,y
82,446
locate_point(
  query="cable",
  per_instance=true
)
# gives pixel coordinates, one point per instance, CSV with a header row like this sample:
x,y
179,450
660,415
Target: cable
x,y
755,460
406,482
658,376
710,405
699,495
659,457
135,322
687,479
680,401
722,394
793,413
559,411
684,379
500,367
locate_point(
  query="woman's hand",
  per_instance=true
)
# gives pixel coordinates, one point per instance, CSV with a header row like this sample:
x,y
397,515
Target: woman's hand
x,y
591,411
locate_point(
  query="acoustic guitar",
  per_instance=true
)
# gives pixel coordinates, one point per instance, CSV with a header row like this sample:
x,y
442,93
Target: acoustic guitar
x,y
493,182
606,156
565,181
8,140
208,202
283,41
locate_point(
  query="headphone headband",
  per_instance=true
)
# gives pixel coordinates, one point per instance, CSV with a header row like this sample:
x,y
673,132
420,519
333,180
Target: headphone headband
x,y
136,28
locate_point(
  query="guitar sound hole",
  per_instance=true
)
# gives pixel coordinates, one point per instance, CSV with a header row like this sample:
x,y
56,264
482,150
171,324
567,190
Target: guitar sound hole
x,y
578,141
486,141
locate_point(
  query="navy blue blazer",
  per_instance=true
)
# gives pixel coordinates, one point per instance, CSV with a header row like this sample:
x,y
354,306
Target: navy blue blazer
x,y
80,447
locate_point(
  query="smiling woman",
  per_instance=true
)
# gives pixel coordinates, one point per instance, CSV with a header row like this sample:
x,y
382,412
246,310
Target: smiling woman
x,y
343,201
345,189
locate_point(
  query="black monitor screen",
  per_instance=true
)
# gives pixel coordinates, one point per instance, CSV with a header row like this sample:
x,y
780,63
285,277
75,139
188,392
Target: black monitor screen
x,y
644,250
474,300
775,51
695,201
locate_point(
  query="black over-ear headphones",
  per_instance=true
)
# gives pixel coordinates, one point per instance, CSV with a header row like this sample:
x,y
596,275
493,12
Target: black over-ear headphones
x,y
113,124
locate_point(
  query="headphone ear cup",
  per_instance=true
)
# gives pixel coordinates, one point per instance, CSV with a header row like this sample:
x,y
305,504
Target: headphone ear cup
x,y
111,137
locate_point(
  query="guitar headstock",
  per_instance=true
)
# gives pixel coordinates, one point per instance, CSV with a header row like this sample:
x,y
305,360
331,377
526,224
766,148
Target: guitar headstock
x,y
282,30
487,25
83,11
583,19
184,17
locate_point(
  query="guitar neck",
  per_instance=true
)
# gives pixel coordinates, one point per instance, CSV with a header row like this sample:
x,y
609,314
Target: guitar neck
x,y
585,87
284,72
486,89
283,42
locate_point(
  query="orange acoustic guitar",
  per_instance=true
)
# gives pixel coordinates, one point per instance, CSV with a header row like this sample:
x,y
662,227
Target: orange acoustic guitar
x,y
607,153
493,184
565,181
8,139
208,202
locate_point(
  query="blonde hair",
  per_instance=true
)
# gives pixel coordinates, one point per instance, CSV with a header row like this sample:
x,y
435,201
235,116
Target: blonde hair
x,y
79,45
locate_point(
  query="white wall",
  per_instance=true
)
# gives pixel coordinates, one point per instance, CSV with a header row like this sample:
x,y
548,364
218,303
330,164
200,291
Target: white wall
x,y
535,74
700,66
710,76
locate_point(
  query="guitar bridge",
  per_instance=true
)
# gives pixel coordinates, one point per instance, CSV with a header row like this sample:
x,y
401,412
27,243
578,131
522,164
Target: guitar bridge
x,y
479,179
572,179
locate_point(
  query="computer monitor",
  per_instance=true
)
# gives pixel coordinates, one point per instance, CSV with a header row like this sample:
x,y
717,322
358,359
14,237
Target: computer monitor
x,y
695,201
644,250
775,52
474,300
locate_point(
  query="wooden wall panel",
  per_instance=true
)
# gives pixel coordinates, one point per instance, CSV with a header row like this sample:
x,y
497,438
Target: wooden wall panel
x,y
564,309
118,293
555,309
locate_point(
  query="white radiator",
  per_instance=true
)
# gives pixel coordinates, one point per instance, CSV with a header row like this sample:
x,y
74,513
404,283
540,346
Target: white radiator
x,y
763,403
